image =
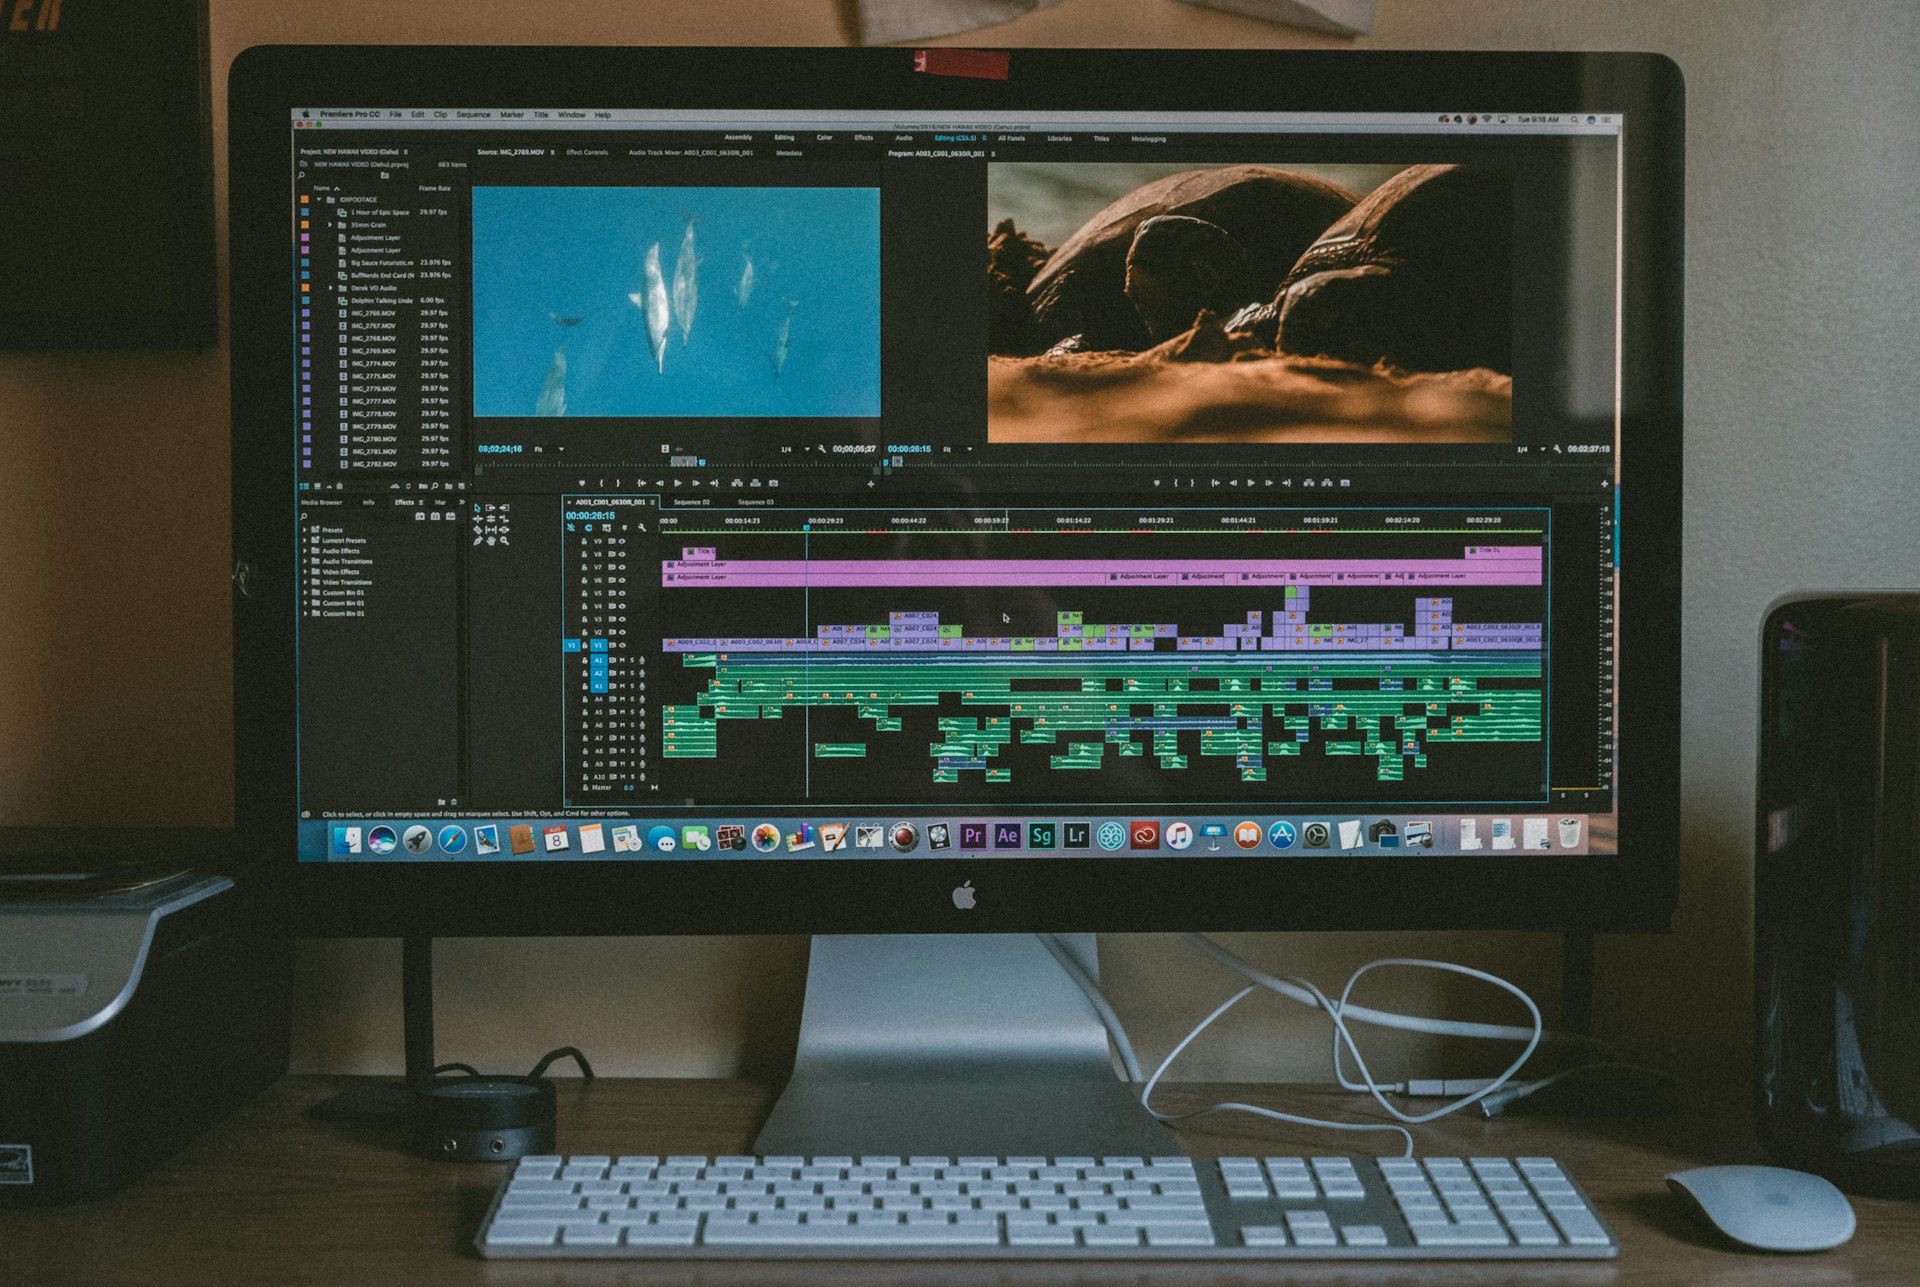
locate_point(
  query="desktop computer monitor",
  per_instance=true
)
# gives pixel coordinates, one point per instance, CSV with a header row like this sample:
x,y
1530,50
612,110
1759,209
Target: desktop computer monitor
x,y
901,492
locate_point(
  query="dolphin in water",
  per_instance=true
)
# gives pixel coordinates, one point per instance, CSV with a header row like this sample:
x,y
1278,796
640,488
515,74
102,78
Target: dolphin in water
x,y
780,339
744,291
553,394
686,283
653,303
566,321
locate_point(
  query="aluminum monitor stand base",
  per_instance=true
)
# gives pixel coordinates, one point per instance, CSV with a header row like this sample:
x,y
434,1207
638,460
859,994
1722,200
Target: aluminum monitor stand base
x,y
954,1045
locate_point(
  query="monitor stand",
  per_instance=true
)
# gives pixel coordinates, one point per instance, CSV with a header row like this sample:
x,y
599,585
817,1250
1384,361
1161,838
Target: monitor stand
x,y
954,1045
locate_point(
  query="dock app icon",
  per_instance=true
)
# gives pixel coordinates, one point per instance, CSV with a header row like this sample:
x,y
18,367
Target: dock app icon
x,y
520,837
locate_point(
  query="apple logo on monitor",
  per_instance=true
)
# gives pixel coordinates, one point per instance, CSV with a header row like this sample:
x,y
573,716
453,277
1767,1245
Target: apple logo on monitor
x,y
963,897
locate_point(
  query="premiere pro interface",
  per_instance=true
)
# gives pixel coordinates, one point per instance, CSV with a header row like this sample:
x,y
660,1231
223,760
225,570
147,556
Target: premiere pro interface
x,y
682,486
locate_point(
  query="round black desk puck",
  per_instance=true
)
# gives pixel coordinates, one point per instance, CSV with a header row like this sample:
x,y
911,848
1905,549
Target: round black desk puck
x,y
488,1119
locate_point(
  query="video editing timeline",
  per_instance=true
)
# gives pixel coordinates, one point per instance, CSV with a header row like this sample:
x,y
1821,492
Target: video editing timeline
x,y
916,657
1090,709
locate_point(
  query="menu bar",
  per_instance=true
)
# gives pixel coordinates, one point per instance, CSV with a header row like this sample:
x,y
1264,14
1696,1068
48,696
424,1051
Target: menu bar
x,y
1035,126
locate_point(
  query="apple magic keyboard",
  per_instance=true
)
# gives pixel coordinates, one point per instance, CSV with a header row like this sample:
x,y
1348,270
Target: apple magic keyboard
x,y
1119,1208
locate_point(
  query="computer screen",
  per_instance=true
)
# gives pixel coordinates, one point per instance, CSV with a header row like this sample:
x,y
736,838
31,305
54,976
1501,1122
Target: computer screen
x,y
721,490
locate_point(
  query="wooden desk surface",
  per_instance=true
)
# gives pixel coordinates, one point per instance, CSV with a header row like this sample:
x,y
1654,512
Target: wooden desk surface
x,y
272,1196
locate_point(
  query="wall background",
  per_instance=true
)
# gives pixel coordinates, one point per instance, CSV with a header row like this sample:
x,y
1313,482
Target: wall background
x,y
1803,471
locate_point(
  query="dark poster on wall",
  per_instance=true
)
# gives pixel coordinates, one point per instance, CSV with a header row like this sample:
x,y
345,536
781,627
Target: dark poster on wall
x,y
106,174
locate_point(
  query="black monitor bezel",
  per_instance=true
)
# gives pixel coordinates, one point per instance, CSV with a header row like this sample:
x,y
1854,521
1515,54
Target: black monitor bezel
x,y
1634,890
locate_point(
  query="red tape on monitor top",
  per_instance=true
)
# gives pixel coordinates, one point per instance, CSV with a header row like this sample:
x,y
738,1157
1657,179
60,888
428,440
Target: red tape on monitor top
x,y
981,64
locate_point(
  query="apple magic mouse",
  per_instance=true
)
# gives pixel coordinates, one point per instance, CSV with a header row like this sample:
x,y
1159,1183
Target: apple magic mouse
x,y
1767,1207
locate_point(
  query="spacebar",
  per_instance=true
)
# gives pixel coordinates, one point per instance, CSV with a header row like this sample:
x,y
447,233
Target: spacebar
x,y
835,1235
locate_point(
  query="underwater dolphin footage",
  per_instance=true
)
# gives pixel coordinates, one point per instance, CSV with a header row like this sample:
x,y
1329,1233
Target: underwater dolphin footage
x,y
586,302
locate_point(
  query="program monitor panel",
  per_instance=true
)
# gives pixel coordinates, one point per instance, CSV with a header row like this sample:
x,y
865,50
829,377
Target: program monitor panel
x,y
677,489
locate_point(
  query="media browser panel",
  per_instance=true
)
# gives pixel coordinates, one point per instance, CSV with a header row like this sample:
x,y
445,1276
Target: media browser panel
x,y
693,486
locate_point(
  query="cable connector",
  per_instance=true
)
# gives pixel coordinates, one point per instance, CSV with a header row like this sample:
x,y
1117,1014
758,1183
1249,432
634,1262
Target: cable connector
x,y
1445,1087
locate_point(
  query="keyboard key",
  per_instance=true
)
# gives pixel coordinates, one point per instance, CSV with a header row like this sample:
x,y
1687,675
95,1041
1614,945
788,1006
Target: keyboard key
x,y
1459,1236
529,1188
1581,1229
1040,1235
522,1233
1108,1236
661,1235
1535,1236
1264,1235
1363,1235
590,1235
540,1202
1180,1235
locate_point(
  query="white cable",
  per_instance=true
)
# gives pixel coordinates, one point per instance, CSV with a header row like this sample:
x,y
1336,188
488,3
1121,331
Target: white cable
x,y
1306,992
1098,1000
1454,1105
1146,1093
